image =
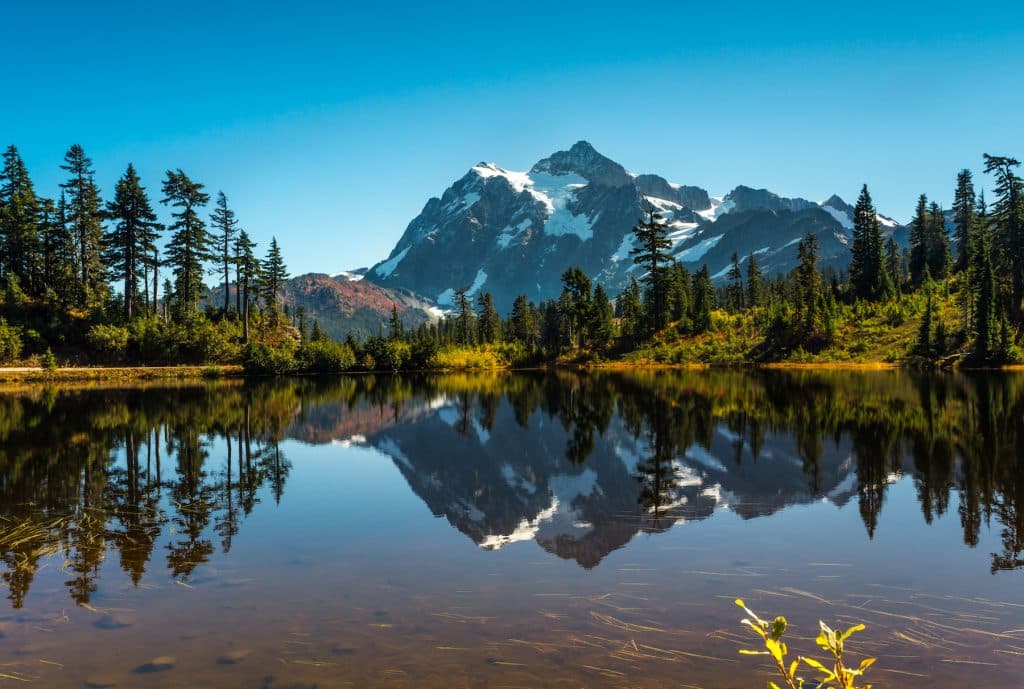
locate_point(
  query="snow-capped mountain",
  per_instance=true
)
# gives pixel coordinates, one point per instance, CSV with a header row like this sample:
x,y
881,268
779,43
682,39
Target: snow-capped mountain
x,y
512,233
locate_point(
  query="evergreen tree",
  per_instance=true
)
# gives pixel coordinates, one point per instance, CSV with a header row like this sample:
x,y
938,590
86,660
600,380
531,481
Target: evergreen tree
x,y
679,293
575,304
225,226
396,329
84,216
867,275
189,245
602,319
734,293
1008,223
465,323
630,311
488,319
273,275
523,323
984,289
317,334
703,300
964,202
651,252
919,242
56,252
939,259
755,282
132,239
894,264
19,229
807,281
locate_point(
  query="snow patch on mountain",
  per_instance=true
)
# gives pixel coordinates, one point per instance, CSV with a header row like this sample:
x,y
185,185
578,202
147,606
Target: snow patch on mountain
x,y
519,181
695,252
478,282
841,216
387,267
719,207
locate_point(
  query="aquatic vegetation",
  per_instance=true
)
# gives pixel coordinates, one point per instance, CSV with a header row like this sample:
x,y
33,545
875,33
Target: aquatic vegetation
x,y
839,676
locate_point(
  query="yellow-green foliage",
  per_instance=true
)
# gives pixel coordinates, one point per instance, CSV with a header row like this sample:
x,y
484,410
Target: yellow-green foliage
x,y
865,332
838,676
465,358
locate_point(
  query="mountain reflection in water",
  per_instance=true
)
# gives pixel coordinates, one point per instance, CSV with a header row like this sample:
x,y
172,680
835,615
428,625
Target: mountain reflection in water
x,y
580,464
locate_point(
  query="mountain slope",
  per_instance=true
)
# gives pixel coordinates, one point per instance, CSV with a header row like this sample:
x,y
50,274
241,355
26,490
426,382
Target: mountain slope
x,y
512,233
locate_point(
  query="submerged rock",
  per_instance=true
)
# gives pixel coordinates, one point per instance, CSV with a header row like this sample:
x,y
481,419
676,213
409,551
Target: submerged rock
x,y
158,664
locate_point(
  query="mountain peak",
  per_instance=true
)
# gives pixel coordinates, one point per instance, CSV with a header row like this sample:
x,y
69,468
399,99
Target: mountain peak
x,y
584,160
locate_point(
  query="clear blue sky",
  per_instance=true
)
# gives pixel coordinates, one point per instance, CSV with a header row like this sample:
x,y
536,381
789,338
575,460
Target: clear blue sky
x,y
329,127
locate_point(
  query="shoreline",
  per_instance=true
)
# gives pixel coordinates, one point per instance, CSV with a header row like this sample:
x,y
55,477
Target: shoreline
x,y
81,374
128,374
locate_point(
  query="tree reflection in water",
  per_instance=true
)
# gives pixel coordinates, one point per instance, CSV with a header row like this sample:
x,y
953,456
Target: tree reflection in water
x,y
176,471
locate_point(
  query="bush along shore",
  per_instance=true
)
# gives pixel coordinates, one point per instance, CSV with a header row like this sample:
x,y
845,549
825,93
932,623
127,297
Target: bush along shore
x,y
80,281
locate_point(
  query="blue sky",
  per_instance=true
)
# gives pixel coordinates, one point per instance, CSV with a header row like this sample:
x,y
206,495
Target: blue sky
x,y
330,126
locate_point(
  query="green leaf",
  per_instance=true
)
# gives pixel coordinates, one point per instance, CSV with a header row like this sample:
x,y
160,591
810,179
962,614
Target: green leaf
x,y
866,663
793,666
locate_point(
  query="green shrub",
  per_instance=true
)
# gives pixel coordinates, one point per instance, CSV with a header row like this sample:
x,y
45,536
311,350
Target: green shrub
x,y
260,358
325,356
108,342
10,342
49,361
152,340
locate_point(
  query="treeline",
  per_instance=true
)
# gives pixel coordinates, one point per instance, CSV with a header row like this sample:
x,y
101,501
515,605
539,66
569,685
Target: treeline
x,y
59,258
798,312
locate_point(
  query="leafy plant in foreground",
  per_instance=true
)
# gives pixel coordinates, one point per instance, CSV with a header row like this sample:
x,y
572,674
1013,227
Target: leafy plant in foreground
x,y
838,677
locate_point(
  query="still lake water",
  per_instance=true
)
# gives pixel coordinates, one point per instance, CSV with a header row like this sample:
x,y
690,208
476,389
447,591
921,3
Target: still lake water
x,y
509,530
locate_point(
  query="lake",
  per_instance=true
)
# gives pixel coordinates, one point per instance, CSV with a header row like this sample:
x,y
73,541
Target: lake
x,y
510,530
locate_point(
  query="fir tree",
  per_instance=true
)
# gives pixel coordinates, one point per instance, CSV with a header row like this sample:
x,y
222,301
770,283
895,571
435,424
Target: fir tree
x,y
575,304
964,202
602,319
703,300
273,275
225,226
651,252
630,311
85,223
465,323
19,217
189,245
867,275
807,281
132,239
679,293
56,252
984,289
734,294
523,323
488,319
1008,223
755,282
919,242
939,259
894,264
396,329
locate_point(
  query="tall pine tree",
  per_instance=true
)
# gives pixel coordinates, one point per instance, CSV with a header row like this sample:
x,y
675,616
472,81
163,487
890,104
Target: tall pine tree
x,y
189,245
651,252
868,277
225,226
1008,224
131,242
19,229
964,202
919,242
273,274
84,215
